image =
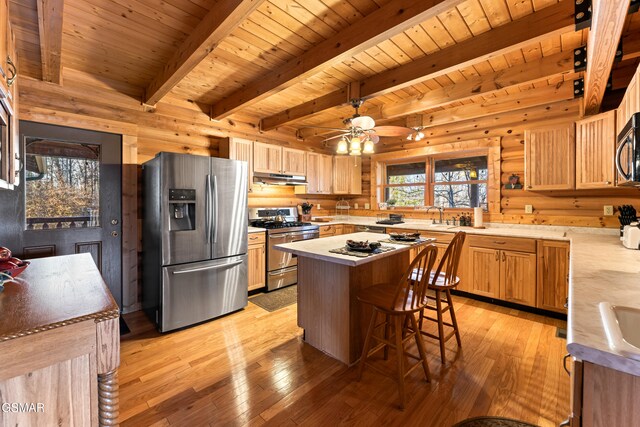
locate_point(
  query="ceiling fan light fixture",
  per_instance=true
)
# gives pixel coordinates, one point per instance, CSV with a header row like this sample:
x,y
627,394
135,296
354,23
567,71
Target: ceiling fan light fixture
x,y
355,144
342,147
368,147
419,136
363,122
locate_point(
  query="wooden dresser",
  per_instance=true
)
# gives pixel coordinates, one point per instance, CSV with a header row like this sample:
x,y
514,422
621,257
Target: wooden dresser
x,y
59,346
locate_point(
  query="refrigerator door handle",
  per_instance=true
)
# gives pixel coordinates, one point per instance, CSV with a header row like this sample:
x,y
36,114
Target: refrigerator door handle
x,y
215,209
207,208
211,267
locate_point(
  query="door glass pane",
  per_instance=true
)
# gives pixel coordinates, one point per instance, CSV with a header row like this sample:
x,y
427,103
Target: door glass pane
x,y
62,184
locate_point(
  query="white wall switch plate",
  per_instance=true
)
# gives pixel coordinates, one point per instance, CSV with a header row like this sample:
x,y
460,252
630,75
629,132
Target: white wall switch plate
x,y
355,206
318,206
528,209
367,205
608,210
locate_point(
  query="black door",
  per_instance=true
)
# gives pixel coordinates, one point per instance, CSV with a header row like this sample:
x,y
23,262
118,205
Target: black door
x,y
69,199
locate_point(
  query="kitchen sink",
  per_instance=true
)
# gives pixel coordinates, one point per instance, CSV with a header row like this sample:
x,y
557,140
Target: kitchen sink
x,y
621,325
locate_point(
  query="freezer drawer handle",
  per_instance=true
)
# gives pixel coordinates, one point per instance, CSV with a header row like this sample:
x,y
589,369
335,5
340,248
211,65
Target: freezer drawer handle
x,y
281,272
212,267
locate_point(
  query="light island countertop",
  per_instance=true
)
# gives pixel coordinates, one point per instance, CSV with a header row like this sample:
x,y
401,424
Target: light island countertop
x,y
319,248
601,270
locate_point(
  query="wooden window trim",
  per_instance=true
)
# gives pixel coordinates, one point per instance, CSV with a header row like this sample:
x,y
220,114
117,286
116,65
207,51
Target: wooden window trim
x,y
488,146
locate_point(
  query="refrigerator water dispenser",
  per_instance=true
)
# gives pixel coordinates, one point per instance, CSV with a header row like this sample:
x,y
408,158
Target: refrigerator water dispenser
x,y
182,209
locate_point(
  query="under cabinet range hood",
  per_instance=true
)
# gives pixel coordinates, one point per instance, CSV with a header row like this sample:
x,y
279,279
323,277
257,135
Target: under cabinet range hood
x,y
279,179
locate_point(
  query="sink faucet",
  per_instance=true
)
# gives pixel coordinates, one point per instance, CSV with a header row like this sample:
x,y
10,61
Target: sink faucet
x,y
440,210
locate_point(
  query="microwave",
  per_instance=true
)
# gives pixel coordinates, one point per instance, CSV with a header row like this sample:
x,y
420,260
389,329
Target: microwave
x,y
627,158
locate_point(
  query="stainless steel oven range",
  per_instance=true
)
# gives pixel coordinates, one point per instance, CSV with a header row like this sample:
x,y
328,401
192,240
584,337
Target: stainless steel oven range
x,y
282,227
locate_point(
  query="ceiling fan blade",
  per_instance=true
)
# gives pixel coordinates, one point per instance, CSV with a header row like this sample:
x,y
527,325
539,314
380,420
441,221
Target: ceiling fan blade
x,y
392,130
323,127
334,137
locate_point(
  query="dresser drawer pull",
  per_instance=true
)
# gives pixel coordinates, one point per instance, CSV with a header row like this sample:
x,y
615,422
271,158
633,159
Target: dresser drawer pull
x,y
499,242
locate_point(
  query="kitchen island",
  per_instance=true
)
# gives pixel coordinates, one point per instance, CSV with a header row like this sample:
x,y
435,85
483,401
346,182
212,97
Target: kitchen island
x,y
59,345
334,321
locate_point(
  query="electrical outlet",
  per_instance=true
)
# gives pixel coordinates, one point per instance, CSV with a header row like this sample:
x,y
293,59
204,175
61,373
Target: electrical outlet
x,y
367,205
355,206
528,209
608,210
318,206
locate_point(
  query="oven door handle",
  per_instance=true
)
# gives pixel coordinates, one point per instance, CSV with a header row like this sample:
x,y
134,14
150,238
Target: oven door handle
x,y
283,271
279,236
302,233
618,155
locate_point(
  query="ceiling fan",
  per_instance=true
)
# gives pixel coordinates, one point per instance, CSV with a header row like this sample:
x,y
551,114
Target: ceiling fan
x,y
362,133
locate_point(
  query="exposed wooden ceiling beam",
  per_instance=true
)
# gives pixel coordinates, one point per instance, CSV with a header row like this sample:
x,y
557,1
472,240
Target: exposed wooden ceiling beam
x,y
50,14
526,73
221,20
386,22
501,104
552,20
607,23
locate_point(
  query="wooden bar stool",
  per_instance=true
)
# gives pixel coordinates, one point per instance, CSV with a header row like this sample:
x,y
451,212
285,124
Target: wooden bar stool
x,y
398,302
441,282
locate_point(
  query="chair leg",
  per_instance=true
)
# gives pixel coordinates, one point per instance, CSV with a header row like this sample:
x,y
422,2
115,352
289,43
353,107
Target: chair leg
x,y
387,329
421,318
454,322
440,325
400,356
367,343
421,350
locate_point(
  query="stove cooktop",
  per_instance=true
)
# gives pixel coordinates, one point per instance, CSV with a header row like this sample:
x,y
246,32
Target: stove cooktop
x,y
270,225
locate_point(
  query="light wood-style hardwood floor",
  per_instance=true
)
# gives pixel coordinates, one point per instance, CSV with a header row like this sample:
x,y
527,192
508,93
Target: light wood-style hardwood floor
x,y
252,368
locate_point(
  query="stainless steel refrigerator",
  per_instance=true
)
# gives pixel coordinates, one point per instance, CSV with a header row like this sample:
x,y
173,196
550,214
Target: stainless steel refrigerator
x,y
194,238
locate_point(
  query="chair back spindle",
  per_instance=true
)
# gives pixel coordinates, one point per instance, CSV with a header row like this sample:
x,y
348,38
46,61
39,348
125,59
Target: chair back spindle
x,y
450,260
414,291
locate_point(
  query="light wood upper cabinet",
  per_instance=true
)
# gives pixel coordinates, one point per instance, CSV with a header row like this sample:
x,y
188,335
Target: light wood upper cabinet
x,y
595,149
239,149
630,102
319,174
549,157
553,275
293,162
267,158
347,175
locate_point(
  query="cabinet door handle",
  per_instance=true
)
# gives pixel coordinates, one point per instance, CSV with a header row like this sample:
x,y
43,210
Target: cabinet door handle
x,y
564,363
504,257
14,71
497,255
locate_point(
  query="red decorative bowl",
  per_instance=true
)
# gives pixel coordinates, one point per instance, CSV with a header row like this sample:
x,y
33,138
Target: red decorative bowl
x,y
15,270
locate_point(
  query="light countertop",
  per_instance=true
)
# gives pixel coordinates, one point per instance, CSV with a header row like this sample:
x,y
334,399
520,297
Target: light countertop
x,y
602,270
256,230
319,248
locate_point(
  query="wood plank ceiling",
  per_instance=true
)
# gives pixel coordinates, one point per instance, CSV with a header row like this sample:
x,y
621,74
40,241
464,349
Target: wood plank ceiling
x,y
469,58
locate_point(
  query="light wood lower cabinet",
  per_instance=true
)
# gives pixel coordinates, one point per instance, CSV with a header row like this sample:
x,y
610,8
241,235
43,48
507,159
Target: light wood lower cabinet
x,y
506,275
256,256
553,275
330,230
603,397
